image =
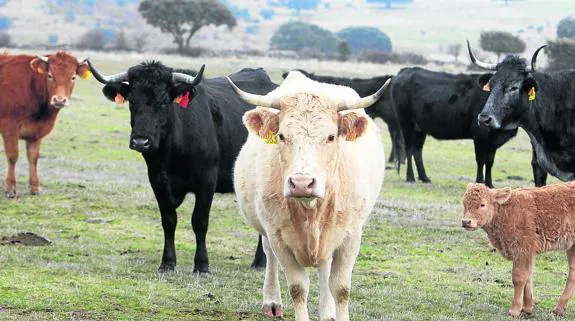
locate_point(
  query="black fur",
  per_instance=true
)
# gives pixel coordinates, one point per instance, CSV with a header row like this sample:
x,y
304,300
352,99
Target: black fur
x,y
193,149
381,109
444,106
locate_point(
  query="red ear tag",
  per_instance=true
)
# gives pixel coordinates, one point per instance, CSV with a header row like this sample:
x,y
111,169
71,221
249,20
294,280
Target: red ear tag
x,y
183,100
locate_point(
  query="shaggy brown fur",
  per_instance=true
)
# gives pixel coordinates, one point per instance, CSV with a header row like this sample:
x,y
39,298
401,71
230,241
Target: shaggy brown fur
x,y
521,223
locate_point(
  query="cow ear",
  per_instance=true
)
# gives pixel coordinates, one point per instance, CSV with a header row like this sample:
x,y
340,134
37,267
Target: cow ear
x,y
261,122
483,80
83,70
116,92
529,82
39,66
352,125
502,195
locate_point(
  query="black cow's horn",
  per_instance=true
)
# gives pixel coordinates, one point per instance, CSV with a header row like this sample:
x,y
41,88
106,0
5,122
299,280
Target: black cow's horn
x,y
121,77
365,101
534,58
257,100
187,79
479,63
82,61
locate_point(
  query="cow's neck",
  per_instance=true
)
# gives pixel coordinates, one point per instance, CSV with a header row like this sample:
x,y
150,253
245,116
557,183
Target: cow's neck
x,y
44,112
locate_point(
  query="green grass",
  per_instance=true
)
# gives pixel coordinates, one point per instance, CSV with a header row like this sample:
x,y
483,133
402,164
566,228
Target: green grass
x,y
416,263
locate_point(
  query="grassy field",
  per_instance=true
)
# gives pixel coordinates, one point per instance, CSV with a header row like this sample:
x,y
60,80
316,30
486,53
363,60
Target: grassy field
x,y
416,263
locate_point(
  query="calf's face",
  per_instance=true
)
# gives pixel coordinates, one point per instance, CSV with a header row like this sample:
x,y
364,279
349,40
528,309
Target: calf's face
x,y
308,131
480,204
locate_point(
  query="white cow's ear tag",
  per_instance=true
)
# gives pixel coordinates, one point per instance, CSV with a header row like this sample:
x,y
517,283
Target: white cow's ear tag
x,y
271,138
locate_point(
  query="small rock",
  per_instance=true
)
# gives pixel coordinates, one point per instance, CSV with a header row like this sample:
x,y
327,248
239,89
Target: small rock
x,y
96,220
25,238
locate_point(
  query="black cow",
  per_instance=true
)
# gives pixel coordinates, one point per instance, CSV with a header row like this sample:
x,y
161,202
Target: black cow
x,y
382,109
542,103
444,106
189,132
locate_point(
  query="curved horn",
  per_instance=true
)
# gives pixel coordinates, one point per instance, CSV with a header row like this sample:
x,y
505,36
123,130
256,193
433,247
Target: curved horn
x,y
187,79
365,101
534,58
479,63
257,100
43,58
85,60
121,77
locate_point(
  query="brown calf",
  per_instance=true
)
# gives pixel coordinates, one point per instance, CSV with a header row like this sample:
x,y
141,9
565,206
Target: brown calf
x,y
32,91
522,223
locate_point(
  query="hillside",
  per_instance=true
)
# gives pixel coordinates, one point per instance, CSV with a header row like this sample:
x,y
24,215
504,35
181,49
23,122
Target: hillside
x,y
424,25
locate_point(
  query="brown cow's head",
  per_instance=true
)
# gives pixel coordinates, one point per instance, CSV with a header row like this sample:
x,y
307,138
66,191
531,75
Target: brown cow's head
x,y
308,131
61,71
480,204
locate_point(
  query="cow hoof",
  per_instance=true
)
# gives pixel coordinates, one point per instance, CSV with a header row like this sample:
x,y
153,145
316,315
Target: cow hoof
x,y
10,194
258,264
202,269
166,267
273,310
514,314
527,310
559,311
425,180
36,193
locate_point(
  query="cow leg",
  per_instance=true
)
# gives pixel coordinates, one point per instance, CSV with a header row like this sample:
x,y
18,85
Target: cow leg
x,y
418,156
33,153
11,150
200,220
528,293
539,174
297,279
479,160
326,302
260,256
569,286
489,160
272,306
408,136
522,270
169,222
340,278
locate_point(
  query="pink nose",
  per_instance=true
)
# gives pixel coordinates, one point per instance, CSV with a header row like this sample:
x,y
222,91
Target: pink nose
x,y
301,185
59,100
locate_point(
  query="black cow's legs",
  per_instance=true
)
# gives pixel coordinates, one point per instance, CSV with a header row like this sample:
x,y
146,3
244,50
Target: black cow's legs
x,y
408,136
418,156
169,222
200,220
539,174
480,161
260,257
489,160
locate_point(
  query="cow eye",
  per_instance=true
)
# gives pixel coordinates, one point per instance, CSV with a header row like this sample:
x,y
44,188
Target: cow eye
x,y
514,88
281,137
73,77
330,138
482,205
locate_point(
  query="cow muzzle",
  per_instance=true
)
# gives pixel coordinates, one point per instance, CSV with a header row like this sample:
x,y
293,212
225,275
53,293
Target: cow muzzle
x,y
469,224
59,101
486,120
140,144
303,186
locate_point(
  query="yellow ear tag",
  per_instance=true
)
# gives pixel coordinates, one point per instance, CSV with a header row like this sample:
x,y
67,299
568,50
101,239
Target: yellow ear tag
x,y
86,75
532,93
119,99
271,138
486,87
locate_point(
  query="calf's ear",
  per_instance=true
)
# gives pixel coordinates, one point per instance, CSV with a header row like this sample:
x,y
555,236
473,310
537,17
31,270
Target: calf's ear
x,y
261,122
502,195
39,66
352,125
116,92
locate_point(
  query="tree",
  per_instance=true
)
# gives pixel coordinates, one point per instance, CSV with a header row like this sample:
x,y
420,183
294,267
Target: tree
x,y
343,50
183,18
298,36
561,54
566,28
365,38
454,50
501,42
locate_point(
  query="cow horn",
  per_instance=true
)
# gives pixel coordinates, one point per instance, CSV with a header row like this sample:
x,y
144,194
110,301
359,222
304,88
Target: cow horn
x,y
365,101
82,61
479,63
187,79
257,100
121,77
534,58
43,58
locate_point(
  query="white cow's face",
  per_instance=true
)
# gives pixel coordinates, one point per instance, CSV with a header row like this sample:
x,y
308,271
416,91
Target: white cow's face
x,y
308,130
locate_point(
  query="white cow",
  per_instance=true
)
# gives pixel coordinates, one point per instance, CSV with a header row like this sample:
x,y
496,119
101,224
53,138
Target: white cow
x,y
307,179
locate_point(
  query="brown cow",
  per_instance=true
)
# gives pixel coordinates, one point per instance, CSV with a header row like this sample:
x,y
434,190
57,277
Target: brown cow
x,y
522,223
33,89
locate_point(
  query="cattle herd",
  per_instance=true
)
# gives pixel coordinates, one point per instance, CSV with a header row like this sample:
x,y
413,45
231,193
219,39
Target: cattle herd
x,y
303,158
